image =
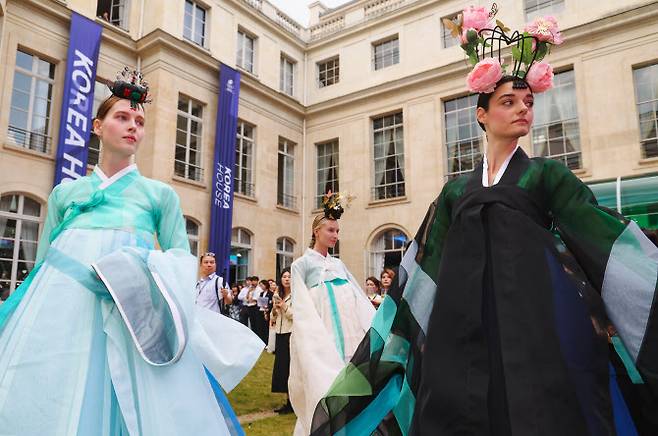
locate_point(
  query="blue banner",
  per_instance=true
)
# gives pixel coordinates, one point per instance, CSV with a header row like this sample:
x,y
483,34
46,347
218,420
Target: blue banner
x,y
221,201
76,120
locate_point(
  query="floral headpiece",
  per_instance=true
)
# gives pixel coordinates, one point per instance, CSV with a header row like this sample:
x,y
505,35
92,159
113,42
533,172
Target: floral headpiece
x,y
130,84
483,45
333,204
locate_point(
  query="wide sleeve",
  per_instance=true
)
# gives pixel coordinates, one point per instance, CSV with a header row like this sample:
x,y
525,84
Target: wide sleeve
x,y
171,224
618,259
54,217
379,379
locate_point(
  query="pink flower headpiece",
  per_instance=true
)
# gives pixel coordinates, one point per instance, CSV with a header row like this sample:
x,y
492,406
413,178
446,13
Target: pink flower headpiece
x,y
483,45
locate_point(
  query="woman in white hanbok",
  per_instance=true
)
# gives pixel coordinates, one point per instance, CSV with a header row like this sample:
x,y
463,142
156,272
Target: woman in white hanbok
x,y
332,315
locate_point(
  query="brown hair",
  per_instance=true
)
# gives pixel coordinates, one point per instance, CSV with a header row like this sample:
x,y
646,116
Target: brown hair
x,y
388,271
317,222
107,104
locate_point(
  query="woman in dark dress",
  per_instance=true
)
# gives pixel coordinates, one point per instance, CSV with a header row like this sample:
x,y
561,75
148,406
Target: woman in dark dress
x,y
281,318
485,332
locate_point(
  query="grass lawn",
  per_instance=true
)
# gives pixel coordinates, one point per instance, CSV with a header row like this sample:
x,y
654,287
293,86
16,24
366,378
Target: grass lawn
x,y
254,394
280,425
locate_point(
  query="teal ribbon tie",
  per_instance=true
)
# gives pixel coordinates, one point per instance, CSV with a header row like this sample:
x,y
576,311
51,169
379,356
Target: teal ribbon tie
x,y
335,316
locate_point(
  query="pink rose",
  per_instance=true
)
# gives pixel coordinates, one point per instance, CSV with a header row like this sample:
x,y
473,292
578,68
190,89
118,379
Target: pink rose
x,y
484,76
545,29
540,77
476,17
464,36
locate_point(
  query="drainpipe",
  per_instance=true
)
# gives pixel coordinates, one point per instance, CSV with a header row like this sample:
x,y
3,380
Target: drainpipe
x,y
140,32
304,96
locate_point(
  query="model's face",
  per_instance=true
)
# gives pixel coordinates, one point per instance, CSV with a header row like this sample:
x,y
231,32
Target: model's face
x,y
371,287
122,129
327,234
208,265
510,113
285,279
386,280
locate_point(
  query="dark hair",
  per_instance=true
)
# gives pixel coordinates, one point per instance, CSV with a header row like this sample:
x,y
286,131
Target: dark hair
x,y
279,282
483,99
377,283
204,255
254,278
266,284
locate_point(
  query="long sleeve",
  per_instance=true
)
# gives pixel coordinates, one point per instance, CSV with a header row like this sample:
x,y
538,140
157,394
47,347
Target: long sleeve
x,y
171,224
390,355
53,219
618,259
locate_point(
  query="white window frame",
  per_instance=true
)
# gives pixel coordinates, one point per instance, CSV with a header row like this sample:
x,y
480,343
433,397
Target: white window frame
x,y
286,186
189,118
563,82
287,75
237,243
243,50
447,39
193,238
245,186
540,8
20,217
452,129
396,188
192,33
285,253
377,249
321,151
650,103
35,78
121,20
390,53
331,70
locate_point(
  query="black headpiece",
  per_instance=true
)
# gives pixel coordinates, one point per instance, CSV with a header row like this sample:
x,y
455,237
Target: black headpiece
x,y
130,84
333,208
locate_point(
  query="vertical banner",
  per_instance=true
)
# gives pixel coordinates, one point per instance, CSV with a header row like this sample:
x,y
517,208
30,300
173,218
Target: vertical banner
x,y
78,100
221,201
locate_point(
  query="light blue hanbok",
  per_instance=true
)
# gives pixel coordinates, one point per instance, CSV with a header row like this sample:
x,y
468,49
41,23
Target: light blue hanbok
x,y
71,361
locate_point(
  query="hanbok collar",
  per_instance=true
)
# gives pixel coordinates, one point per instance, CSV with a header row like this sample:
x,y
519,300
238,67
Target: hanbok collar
x,y
107,181
501,170
318,254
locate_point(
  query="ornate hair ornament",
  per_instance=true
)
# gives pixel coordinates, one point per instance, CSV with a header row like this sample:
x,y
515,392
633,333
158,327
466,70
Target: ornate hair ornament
x,y
483,45
333,204
130,84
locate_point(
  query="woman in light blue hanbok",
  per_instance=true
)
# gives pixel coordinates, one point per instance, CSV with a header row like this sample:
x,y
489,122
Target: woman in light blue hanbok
x,y
103,337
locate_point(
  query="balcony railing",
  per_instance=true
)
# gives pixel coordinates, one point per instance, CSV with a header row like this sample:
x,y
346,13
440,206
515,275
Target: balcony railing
x,y
286,200
384,192
30,140
244,188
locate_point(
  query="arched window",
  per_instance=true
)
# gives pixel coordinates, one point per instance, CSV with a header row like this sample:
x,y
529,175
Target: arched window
x,y
192,229
20,222
240,254
285,249
386,250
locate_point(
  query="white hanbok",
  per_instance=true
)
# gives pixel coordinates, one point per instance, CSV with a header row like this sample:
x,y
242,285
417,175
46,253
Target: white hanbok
x,y
332,315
